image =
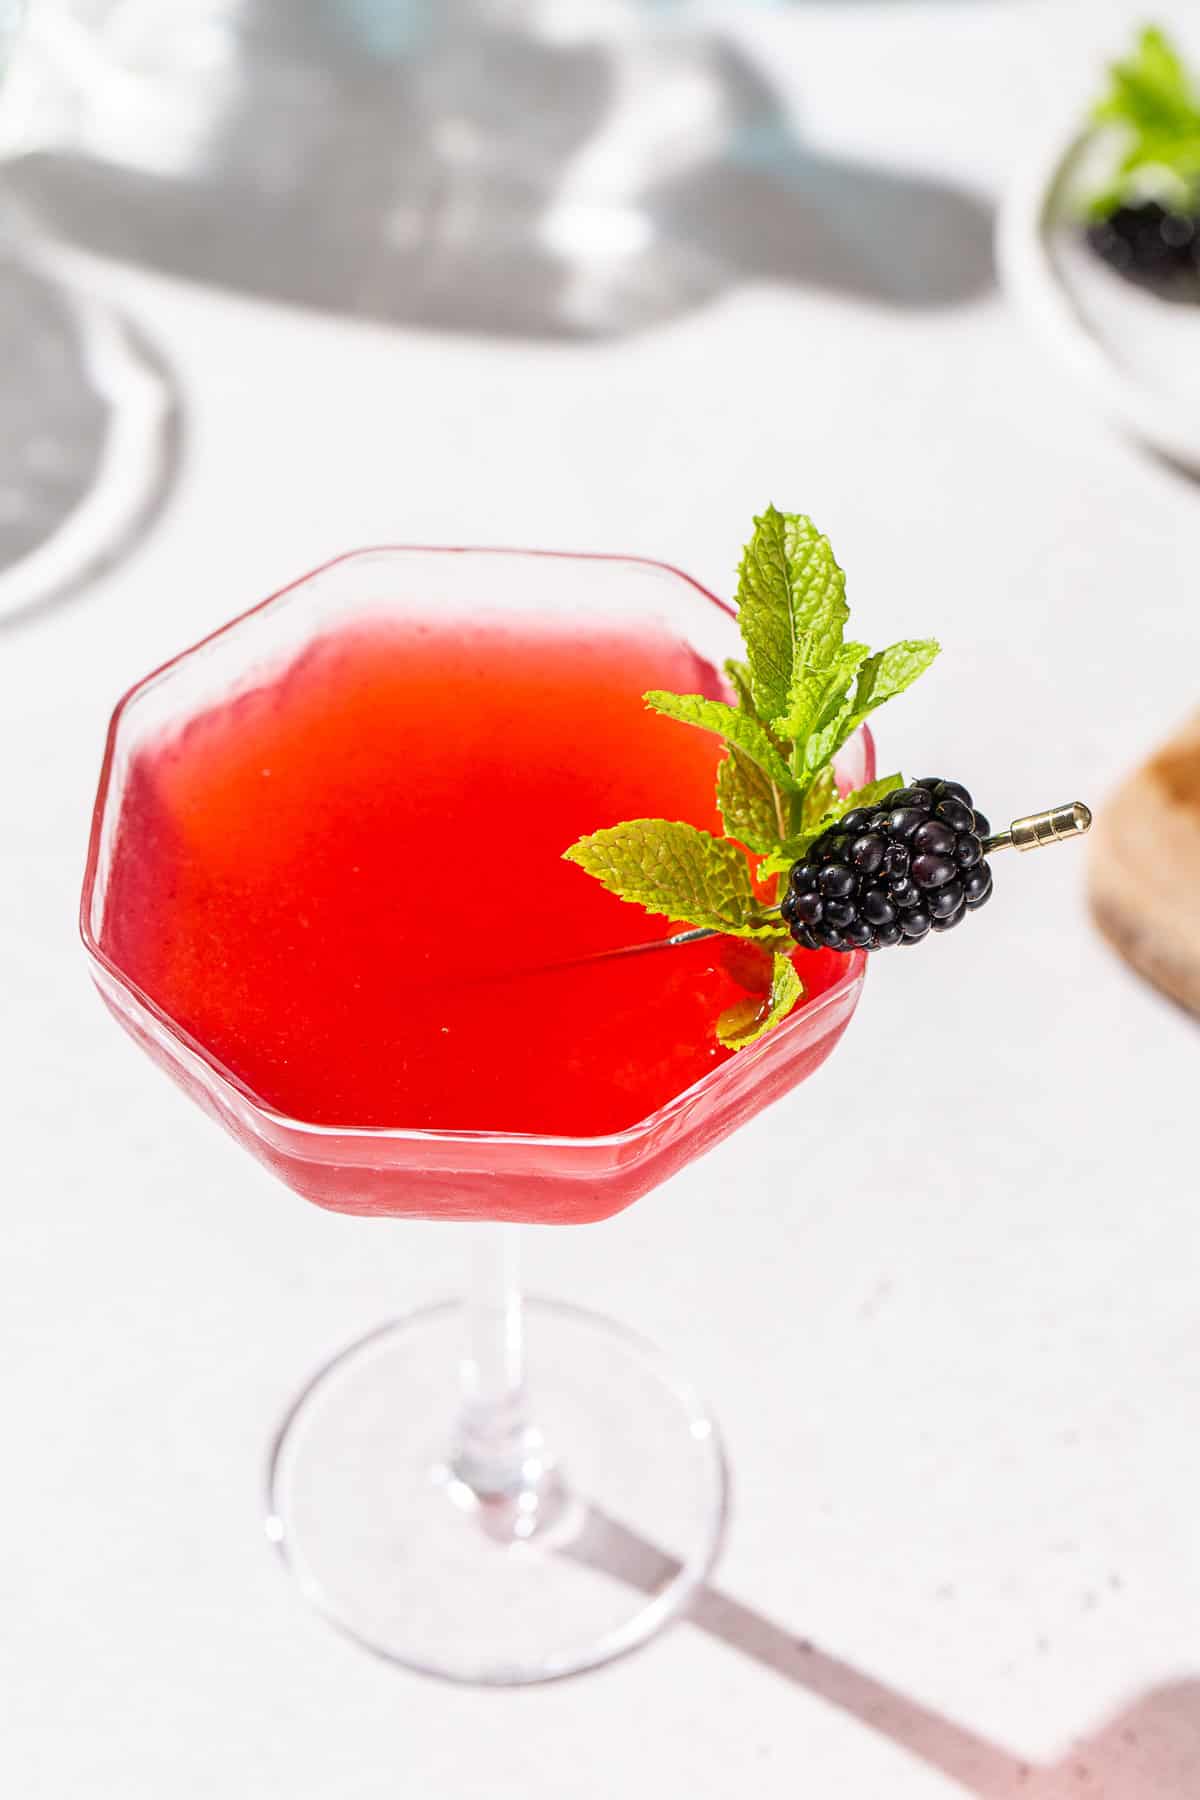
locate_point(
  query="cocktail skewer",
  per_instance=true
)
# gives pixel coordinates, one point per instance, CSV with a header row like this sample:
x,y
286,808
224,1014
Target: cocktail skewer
x,y
1036,831
1057,825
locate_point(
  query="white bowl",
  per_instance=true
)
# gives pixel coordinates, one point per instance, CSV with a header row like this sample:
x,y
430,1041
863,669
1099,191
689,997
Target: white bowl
x,y
1138,354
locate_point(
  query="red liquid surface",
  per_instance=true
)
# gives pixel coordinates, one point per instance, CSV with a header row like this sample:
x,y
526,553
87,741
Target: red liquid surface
x,y
348,884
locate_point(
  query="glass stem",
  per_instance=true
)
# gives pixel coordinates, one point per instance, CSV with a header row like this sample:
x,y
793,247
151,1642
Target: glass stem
x,y
499,1454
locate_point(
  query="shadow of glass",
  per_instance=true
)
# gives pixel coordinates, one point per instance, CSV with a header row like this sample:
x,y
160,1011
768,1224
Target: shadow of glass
x,y
498,184
1149,1751
90,438
772,208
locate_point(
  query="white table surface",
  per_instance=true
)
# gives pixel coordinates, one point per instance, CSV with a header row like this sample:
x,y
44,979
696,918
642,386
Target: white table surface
x,y
950,1325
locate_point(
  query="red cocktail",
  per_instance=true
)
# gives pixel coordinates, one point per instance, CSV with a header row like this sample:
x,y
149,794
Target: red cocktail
x,y
326,890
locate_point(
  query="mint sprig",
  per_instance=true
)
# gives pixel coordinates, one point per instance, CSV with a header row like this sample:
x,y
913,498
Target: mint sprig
x,y
741,1024
800,694
679,872
1153,107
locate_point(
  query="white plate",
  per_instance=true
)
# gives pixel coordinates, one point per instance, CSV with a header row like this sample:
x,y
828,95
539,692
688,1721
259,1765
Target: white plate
x,y
1139,355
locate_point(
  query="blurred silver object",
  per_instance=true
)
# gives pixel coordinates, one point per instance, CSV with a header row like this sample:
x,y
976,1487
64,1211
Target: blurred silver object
x,y
85,425
548,167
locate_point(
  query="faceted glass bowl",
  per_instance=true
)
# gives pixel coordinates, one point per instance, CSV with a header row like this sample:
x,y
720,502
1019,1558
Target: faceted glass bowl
x,y
447,1174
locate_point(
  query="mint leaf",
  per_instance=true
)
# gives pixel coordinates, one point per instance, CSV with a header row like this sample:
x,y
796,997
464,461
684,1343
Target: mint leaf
x,y
820,797
734,726
738,677
765,613
1151,90
880,678
780,860
747,800
890,671
820,733
678,871
791,608
870,795
750,1019
1155,103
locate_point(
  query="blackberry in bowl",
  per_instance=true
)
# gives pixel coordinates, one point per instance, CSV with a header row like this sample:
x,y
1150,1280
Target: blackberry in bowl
x,y
1152,245
1143,213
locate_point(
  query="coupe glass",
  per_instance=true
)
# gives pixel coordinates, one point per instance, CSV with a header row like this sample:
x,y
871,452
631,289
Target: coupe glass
x,y
86,432
547,1521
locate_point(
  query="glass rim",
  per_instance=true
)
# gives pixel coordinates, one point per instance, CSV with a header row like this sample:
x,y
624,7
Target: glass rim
x,y
271,1116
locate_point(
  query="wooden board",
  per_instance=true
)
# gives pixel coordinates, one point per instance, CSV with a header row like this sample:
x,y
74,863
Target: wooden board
x,y
1144,869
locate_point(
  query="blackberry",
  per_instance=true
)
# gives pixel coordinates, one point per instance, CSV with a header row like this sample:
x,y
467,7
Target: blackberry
x,y
891,873
1151,245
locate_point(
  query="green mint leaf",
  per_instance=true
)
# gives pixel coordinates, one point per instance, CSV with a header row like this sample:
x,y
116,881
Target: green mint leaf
x,y
765,613
821,795
750,1019
779,861
820,733
748,802
678,871
791,609
1151,90
870,795
880,678
735,727
1154,102
738,677
890,671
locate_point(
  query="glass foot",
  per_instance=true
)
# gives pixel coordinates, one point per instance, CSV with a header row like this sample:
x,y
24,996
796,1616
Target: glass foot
x,y
86,436
620,1524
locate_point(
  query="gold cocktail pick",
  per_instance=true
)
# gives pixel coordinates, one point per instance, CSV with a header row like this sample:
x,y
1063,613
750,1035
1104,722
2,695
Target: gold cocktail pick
x,y
1038,830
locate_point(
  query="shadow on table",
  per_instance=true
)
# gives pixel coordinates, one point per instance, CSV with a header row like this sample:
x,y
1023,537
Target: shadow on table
x,y
1175,466
566,197
1148,1751
90,437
